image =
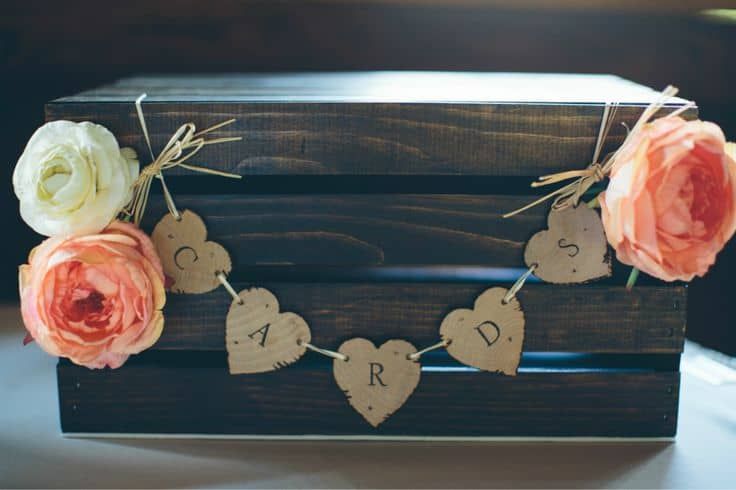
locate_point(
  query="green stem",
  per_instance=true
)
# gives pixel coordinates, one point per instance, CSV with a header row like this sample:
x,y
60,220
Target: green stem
x,y
633,275
594,203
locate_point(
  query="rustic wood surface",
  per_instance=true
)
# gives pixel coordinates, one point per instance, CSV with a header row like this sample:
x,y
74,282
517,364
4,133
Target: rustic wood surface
x,y
369,229
558,318
286,135
159,399
364,229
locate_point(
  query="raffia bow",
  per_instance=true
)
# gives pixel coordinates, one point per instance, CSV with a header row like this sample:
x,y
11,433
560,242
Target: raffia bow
x,y
183,145
571,193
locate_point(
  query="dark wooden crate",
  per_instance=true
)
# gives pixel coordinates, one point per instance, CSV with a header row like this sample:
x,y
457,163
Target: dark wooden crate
x,y
371,205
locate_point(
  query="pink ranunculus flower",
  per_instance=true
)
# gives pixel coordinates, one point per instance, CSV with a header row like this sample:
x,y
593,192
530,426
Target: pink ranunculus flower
x,y
670,205
95,299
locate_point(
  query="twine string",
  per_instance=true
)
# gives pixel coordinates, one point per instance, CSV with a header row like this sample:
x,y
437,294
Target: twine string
x,y
511,294
439,345
571,193
324,352
183,145
230,289
595,172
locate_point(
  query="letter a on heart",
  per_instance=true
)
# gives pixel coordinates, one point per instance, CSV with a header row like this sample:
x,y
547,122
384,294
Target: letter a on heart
x,y
259,337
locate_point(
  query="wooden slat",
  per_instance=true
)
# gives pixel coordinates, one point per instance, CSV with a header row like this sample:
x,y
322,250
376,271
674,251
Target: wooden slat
x,y
354,138
155,399
364,229
558,318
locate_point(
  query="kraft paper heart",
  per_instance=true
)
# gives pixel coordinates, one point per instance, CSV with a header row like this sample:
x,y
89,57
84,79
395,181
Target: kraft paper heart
x,y
187,257
376,381
572,250
490,336
259,338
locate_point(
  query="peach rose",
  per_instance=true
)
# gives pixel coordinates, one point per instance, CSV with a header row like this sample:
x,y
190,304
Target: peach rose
x,y
669,206
95,299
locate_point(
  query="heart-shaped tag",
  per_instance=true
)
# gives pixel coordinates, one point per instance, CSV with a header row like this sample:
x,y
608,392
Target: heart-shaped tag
x,y
186,256
490,336
377,382
572,250
259,338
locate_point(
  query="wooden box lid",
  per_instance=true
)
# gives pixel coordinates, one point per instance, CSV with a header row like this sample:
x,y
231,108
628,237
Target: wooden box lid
x,y
374,123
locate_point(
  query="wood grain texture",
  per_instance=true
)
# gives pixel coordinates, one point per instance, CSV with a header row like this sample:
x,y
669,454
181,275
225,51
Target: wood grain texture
x,y
355,229
358,138
558,318
159,399
363,229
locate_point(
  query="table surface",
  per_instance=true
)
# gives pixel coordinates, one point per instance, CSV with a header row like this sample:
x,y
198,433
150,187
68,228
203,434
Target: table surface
x,y
33,453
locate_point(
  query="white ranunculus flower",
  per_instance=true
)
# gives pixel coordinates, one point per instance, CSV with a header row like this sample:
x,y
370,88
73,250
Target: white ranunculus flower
x,y
73,178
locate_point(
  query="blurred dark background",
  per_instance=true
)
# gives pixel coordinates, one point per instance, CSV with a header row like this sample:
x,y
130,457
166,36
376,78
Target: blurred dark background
x,y
50,48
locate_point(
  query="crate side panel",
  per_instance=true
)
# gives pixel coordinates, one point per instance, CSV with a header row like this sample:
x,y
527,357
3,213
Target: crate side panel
x,y
150,399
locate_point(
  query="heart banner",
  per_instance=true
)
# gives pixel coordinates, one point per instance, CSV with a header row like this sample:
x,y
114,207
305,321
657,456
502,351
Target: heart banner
x,y
377,381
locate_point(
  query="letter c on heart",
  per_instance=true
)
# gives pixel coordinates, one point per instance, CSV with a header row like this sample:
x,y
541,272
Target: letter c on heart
x,y
181,250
